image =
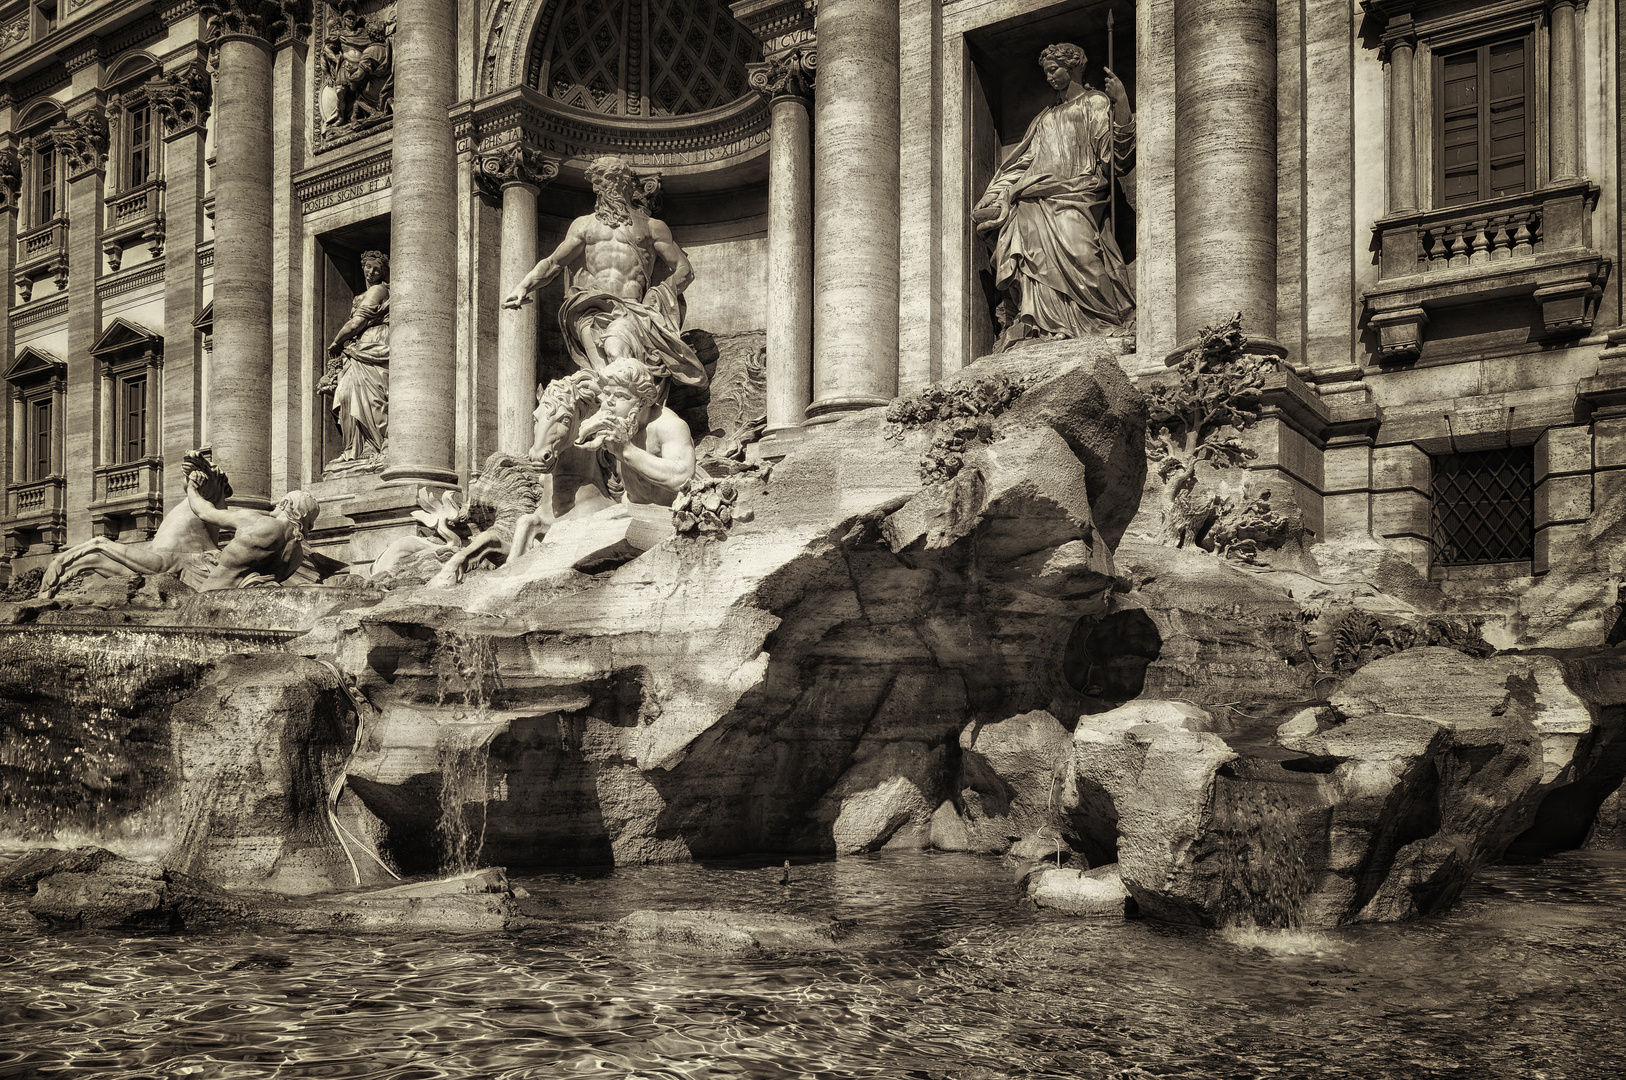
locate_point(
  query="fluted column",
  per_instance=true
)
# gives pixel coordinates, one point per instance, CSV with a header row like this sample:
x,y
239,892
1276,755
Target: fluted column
x,y
1225,166
240,399
423,246
855,200
1402,47
788,80
1563,94
517,174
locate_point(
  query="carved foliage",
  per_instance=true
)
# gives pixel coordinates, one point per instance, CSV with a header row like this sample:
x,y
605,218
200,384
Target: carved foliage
x,y
181,97
11,179
1199,418
85,139
271,20
792,74
960,416
512,164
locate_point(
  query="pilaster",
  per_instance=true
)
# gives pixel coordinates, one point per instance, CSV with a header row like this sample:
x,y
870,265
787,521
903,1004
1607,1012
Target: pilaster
x,y
85,135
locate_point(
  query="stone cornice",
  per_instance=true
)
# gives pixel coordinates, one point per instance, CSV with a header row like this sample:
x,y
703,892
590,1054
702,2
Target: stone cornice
x,y
780,25
334,183
76,45
520,114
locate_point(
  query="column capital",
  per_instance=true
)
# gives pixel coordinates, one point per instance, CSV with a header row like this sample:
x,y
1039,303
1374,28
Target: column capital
x,y
269,20
503,166
11,179
85,139
181,97
790,75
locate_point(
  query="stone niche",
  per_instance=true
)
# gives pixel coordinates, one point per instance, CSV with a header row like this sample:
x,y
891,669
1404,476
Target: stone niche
x,y
338,281
1008,90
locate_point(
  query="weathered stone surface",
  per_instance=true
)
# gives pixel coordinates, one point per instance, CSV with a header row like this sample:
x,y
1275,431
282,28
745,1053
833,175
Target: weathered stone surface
x,y
1080,892
124,895
727,933
1008,778
1427,764
1138,794
793,687
471,902
31,868
1225,636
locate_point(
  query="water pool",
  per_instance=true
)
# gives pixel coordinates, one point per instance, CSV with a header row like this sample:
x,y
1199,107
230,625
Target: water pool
x,y
953,978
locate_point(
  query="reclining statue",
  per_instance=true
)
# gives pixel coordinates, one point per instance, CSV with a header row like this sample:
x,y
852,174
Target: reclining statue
x,y
181,535
266,550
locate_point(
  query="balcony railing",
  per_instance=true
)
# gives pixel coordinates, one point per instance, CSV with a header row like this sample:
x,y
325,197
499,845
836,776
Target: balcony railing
x,y
40,245
135,207
128,481
38,499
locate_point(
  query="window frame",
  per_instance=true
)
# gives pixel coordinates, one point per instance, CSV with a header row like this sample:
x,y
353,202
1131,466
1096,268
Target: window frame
x,y
35,468
139,107
130,427
1444,515
1533,126
46,185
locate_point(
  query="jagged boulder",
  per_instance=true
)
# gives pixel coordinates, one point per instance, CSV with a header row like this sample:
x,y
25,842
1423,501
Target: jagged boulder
x,y
1137,792
32,868
1426,764
1008,779
794,686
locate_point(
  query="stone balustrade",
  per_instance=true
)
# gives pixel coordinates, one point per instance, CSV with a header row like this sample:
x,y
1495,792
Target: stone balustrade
x,y
39,499
1556,218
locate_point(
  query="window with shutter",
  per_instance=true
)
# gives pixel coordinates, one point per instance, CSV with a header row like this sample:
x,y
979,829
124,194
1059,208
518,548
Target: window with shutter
x,y
1483,96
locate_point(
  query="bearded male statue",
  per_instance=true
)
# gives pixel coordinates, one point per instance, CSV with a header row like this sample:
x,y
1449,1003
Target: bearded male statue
x,y
614,309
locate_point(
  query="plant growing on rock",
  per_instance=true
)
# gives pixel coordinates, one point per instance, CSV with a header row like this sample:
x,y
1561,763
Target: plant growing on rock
x,y
962,414
1199,418
706,508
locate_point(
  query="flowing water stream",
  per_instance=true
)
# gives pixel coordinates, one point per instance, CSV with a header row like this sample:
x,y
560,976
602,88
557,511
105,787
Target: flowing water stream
x,y
949,976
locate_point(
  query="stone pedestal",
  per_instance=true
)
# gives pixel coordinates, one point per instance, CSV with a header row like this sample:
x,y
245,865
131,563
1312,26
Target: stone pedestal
x,y
423,247
1225,167
855,202
240,392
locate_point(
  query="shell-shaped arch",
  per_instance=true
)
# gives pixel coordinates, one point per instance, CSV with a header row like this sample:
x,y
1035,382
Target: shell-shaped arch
x,y
130,66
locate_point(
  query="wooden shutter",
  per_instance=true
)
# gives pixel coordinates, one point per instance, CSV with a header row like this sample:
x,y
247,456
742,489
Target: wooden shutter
x,y
1482,120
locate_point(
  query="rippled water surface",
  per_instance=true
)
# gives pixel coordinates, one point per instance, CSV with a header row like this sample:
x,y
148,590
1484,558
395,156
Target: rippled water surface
x,y
952,978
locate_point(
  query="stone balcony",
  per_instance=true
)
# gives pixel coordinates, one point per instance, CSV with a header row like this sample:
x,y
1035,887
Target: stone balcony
x,y
39,514
130,491
41,251
1535,247
134,216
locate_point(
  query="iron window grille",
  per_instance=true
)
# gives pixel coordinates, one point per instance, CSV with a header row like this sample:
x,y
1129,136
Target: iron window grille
x,y
1484,507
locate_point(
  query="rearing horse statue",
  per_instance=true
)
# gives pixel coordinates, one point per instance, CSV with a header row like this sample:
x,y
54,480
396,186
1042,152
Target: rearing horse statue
x,y
180,535
575,481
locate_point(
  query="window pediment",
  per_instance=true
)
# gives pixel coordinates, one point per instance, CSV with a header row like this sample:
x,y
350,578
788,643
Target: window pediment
x,y
33,365
123,337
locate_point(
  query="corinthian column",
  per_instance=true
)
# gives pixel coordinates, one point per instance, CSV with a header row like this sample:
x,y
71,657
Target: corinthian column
x,y
855,199
517,174
423,246
788,80
240,399
1225,166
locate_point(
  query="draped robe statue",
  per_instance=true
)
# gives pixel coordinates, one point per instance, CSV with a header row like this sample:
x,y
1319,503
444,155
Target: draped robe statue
x,y
358,375
1055,257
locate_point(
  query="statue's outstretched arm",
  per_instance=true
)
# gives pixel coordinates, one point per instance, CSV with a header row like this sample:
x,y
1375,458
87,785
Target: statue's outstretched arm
x,y
548,268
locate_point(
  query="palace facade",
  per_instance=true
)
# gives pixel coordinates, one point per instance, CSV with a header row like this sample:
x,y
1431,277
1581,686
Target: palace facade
x,y
1414,203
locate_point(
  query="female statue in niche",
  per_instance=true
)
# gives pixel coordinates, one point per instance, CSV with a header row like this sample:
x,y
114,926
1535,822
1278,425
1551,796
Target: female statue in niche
x,y
1055,257
358,373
